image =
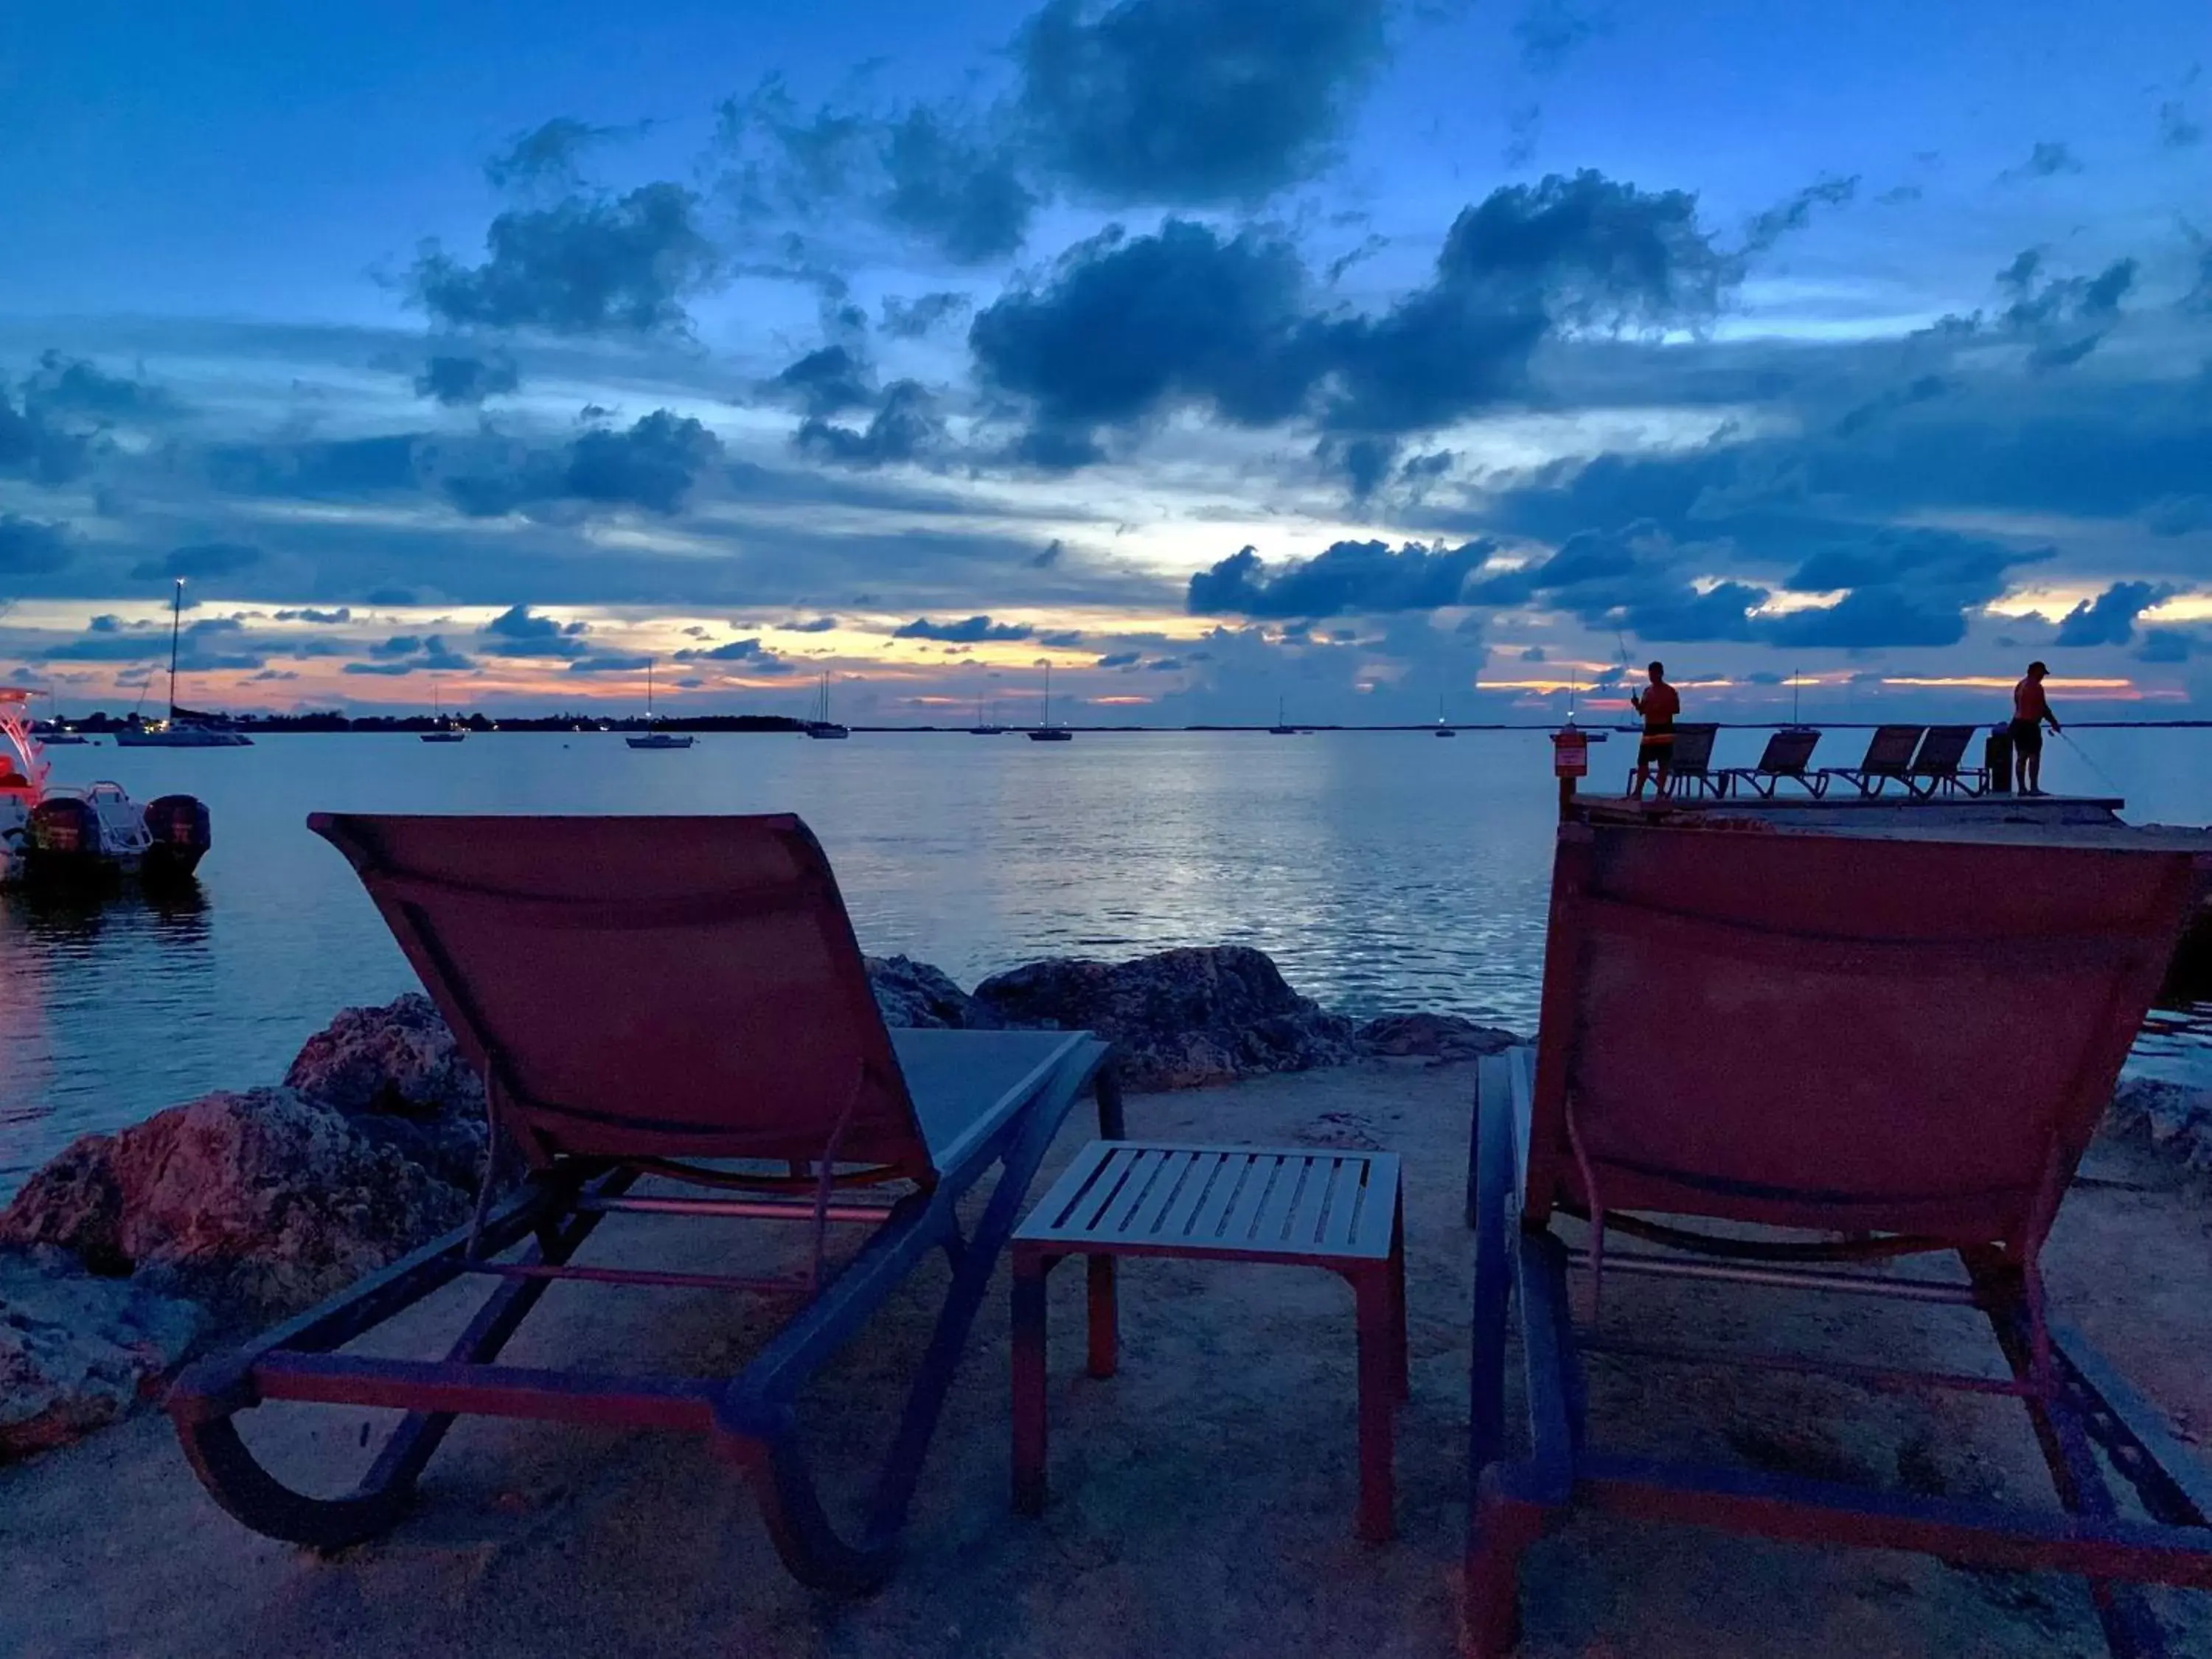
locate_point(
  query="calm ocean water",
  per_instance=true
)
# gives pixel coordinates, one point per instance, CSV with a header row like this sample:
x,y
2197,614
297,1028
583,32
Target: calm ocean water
x,y
1382,870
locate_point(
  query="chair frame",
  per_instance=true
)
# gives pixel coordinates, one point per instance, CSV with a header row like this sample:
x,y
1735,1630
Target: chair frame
x,y
1926,779
1867,777
1765,779
2078,1404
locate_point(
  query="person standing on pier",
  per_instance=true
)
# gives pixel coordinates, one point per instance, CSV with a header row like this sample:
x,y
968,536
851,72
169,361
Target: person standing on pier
x,y
1659,703
2030,713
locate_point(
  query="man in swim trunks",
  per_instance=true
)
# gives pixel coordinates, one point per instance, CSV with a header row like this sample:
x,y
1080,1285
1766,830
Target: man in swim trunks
x,y
2030,712
1659,704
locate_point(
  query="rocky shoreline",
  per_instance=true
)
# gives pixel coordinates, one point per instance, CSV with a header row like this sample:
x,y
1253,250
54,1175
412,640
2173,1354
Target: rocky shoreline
x,y
131,1251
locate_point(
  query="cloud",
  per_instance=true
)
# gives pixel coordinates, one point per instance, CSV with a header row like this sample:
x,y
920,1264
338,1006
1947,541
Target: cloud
x,y
411,653
1063,637
1194,101
586,265
911,319
517,631
1129,329
351,466
904,428
735,651
30,548
199,564
32,446
1633,578
1908,587
389,596
1794,214
2177,129
954,188
2166,645
827,381
1050,556
654,465
2067,317
1345,578
320,619
611,663
1550,31
813,625
547,155
2048,158
75,385
972,631
454,380
200,647
1119,659
2109,618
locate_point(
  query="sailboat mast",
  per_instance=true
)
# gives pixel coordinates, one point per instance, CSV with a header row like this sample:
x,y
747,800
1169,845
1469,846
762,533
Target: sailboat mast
x,y
176,622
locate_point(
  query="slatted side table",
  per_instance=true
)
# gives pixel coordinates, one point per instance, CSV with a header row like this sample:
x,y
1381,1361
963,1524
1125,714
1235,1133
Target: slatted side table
x,y
1295,1207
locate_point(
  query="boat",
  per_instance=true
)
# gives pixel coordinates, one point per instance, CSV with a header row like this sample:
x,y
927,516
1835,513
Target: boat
x,y
445,731
186,728
822,726
1047,732
983,728
1442,730
54,836
57,734
1281,728
653,739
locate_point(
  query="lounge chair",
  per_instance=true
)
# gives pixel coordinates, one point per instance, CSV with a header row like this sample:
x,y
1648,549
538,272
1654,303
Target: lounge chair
x,y
1689,757
1955,1015
679,1000
1888,756
1786,756
1937,768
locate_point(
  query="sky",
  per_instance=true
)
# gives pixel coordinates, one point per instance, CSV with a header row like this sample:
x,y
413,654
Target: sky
x,y
1369,359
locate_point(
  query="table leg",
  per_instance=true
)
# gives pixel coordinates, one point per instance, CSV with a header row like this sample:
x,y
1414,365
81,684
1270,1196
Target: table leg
x,y
1029,1340
1378,1391
1105,1316
1398,1296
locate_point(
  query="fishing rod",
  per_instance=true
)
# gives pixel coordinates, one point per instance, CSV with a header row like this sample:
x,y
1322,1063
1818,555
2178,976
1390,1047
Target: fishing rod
x,y
2103,776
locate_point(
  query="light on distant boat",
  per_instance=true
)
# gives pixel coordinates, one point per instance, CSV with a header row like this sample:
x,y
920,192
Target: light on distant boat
x,y
186,728
444,730
653,739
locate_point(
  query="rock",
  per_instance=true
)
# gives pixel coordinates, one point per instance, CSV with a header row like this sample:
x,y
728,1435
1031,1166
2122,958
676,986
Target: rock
x,y
912,993
77,1351
397,1074
2170,1115
263,1202
1182,1018
1432,1036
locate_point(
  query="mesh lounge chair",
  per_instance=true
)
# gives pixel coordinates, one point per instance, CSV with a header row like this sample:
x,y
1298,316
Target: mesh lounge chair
x,y
1889,755
1937,768
1689,757
1990,994
1786,756
681,998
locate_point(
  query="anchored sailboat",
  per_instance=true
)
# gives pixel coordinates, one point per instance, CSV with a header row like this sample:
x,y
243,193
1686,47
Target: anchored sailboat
x,y
651,739
445,731
1047,733
186,728
822,726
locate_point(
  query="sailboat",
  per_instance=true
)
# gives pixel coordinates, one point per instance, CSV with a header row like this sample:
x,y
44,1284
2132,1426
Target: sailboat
x,y
1047,733
445,731
822,726
651,739
186,728
983,728
1281,728
1442,730
57,734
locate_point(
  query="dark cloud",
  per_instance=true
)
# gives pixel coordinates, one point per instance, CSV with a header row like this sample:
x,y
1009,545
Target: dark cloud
x,y
411,653
1118,660
74,385
2176,128
586,265
33,446
813,625
654,465
1922,389
904,428
320,619
2066,317
199,564
517,631
454,380
1899,196
548,155
216,643
1064,637
1345,578
1050,556
827,381
2048,158
2167,645
911,319
1163,666
1131,328
750,651
611,663
30,548
1784,218
389,596
2109,618
971,631
353,466
1908,587
1550,31
1194,101
1632,578
954,189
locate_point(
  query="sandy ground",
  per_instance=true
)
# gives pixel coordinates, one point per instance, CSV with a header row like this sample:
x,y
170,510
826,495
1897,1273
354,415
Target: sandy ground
x,y
1202,1500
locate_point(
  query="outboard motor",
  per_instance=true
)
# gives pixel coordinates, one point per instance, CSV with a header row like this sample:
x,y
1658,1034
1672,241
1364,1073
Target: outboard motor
x,y
177,828
63,842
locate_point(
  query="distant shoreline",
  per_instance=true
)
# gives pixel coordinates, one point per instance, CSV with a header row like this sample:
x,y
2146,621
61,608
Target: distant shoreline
x,y
756,725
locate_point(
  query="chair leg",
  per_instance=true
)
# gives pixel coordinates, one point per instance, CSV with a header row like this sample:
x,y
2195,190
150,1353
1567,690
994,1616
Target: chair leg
x,y
1398,1343
1379,1369
1104,1319
1503,1527
1030,1272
